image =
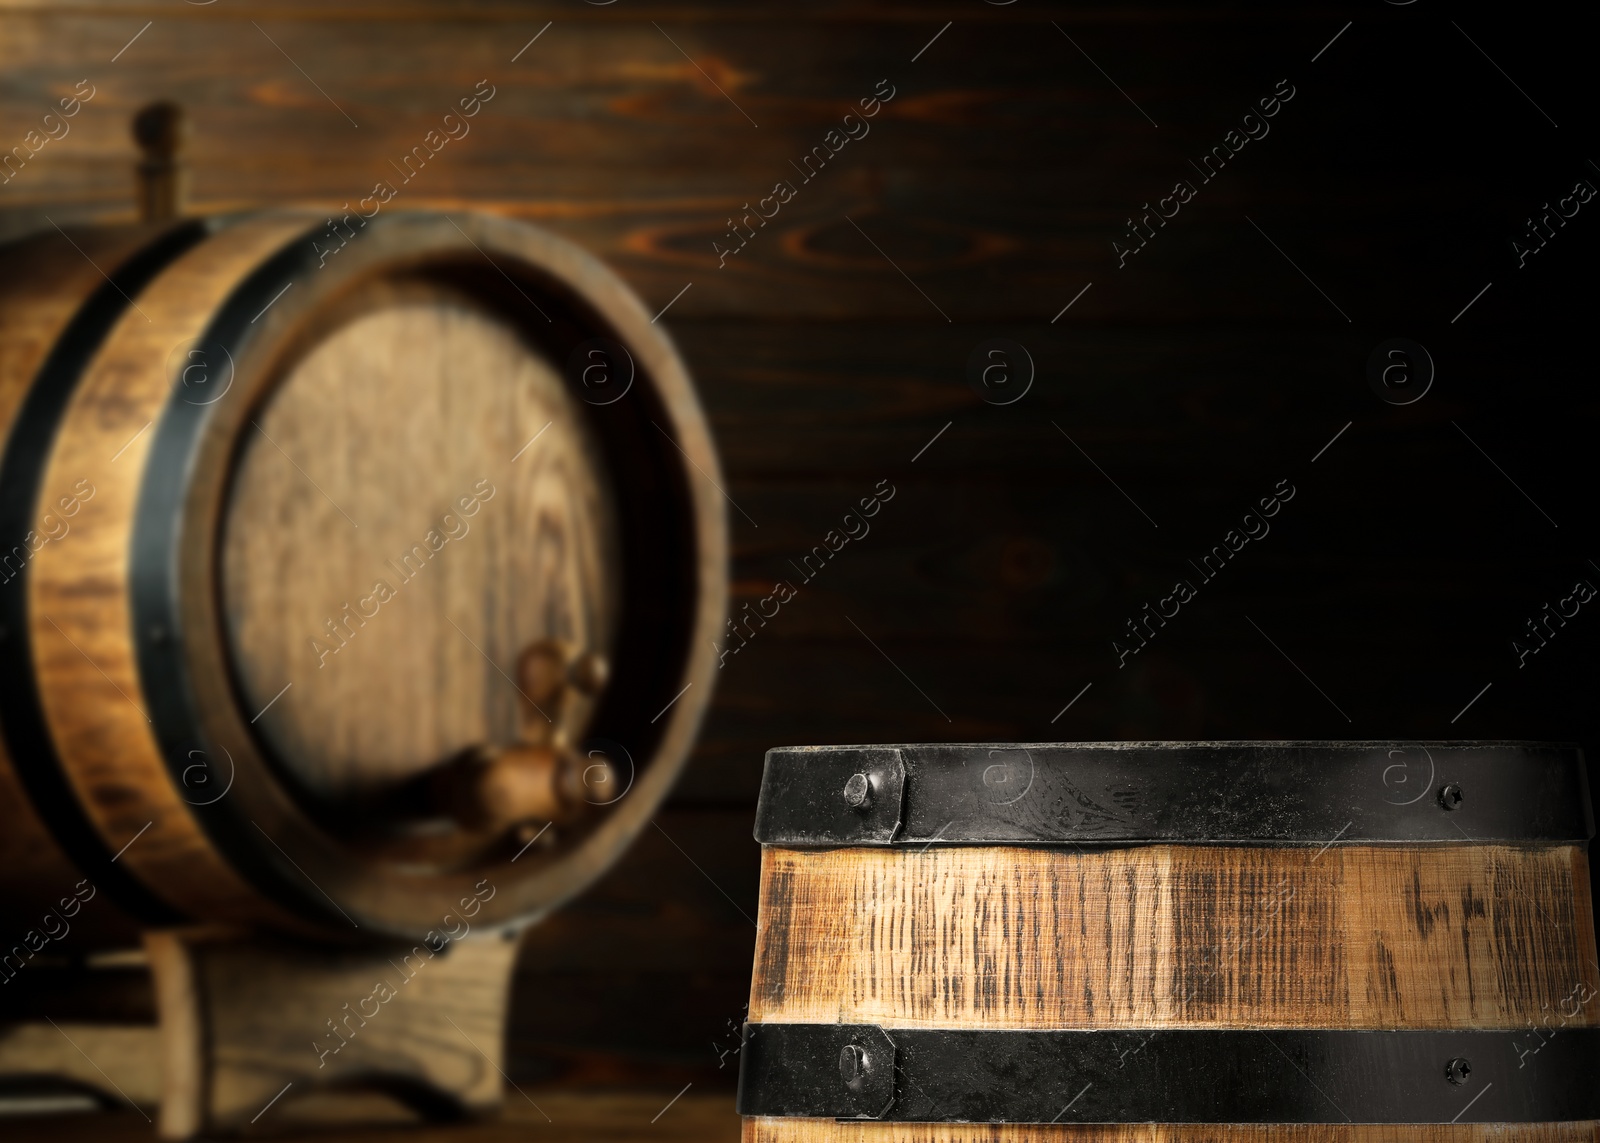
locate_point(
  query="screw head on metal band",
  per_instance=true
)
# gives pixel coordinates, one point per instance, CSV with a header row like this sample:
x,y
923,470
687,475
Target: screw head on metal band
x,y
854,1065
858,792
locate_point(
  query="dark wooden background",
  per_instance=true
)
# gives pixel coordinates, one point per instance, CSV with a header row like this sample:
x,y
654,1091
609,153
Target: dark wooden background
x,y
1196,377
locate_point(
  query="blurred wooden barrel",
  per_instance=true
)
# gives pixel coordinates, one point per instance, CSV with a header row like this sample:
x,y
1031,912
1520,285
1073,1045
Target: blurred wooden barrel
x,y
353,570
1212,941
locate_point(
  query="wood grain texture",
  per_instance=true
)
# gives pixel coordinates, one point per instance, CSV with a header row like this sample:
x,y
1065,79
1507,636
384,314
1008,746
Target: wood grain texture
x,y
1188,381
834,1131
180,1037
34,309
1162,936
129,1056
354,476
243,1019
83,642
643,160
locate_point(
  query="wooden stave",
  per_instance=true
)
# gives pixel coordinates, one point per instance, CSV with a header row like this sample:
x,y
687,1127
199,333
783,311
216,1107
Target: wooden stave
x,y
798,884
69,285
183,866
83,655
854,911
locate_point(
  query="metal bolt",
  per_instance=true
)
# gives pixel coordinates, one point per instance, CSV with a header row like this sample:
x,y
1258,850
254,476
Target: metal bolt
x,y
853,1065
1451,797
858,792
1457,1070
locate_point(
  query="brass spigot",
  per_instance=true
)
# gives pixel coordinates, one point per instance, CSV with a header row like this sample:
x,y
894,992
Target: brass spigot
x,y
539,778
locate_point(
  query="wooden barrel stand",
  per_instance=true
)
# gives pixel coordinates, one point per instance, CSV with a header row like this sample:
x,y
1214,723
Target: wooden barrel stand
x,y
1241,942
424,1028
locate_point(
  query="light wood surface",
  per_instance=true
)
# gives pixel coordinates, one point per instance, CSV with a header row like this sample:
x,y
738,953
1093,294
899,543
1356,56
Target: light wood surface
x,y
96,1056
182,1033
355,478
1169,936
83,641
35,308
244,1021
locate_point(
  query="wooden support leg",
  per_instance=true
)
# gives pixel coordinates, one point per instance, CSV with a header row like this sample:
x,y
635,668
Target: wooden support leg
x,y
250,1024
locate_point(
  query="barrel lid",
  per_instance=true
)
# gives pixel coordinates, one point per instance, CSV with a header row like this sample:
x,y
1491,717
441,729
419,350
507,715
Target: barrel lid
x,y
427,535
385,564
1116,793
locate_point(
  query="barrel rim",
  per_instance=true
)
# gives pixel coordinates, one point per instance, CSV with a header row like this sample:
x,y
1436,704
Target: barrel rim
x,y
1308,792
182,648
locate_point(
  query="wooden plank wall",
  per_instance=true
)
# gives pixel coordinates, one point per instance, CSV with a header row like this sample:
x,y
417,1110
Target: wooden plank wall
x,y
834,347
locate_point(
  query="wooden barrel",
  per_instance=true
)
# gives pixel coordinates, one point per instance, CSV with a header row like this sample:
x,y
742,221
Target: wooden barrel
x,y
357,572
1156,941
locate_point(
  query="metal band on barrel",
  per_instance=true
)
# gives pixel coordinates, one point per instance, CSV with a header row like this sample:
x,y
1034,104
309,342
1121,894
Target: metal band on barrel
x,y
1170,1075
1250,793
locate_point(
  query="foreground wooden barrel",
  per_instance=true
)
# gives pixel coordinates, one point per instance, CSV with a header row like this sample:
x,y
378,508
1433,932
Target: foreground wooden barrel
x,y
1119,942
354,569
